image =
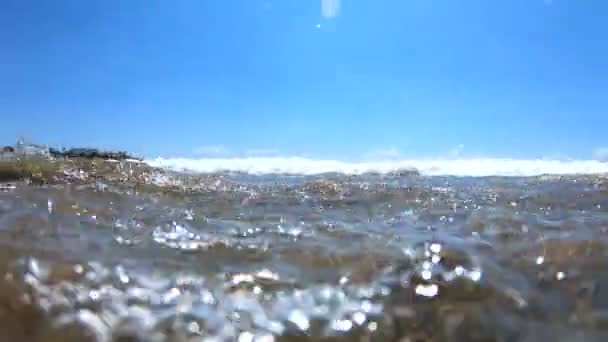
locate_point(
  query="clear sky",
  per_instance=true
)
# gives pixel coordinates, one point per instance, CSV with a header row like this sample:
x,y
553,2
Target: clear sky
x,y
423,78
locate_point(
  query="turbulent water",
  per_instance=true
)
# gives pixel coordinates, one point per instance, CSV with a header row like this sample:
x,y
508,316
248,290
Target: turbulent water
x,y
307,258
481,167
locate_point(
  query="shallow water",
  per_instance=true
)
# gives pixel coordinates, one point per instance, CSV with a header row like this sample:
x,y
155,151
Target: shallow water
x,y
315,258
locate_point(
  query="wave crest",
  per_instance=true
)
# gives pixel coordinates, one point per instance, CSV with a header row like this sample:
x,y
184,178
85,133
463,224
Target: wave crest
x,y
440,167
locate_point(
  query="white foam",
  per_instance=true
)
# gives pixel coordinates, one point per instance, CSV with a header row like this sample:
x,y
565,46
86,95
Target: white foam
x,y
443,167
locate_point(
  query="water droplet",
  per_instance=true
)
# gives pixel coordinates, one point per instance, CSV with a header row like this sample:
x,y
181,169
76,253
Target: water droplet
x,y
242,278
122,275
430,290
540,260
298,318
359,318
372,326
435,248
78,269
366,306
266,274
295,232
475,275
194,328
246,336
94,295
342,325
171,295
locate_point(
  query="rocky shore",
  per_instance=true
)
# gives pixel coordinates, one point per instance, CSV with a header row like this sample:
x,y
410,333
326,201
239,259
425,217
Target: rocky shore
x,y
38,165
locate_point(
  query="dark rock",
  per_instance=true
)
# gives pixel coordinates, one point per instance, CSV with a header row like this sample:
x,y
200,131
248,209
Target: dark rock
x,y
404,172
8,149
90,153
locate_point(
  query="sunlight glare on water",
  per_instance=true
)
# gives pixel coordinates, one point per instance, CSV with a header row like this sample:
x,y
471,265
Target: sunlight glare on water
x,y
314,256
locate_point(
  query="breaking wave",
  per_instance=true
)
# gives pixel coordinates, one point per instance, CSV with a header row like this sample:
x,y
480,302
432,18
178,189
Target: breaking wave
x,y
439,167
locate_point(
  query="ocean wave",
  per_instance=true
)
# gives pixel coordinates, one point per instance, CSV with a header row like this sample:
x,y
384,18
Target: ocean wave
x,y
439,167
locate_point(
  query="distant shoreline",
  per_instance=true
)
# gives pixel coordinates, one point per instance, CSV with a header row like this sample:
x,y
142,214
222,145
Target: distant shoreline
x,y
22,148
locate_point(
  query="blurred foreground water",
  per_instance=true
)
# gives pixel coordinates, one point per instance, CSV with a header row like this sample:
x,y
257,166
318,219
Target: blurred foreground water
x,y
232,257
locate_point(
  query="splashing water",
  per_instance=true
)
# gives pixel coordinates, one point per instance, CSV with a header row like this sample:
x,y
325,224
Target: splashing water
x,y
374,257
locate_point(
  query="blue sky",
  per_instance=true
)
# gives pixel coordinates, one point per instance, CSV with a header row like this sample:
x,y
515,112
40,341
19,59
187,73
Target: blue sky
x,y
415,78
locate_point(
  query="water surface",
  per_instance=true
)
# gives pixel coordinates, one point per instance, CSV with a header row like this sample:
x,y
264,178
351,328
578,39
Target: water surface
x,y
306,258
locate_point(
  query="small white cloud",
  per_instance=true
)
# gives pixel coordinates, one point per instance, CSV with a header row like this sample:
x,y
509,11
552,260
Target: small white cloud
x,y
318,26
384,154
212,151
555,156
330,8
262,153
601,154
456,152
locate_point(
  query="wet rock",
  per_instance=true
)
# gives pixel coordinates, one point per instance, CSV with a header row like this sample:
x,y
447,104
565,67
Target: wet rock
x,y
38,170
323,187
19,318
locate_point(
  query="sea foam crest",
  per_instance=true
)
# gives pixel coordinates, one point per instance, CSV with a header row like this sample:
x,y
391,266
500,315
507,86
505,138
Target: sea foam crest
x,y
439,167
